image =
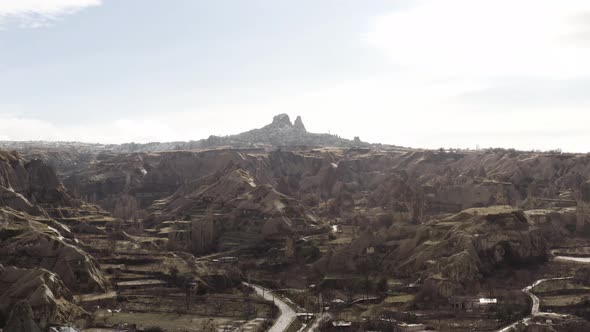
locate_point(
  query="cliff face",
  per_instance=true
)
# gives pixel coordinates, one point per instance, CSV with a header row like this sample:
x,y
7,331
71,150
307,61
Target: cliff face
x,y
33,180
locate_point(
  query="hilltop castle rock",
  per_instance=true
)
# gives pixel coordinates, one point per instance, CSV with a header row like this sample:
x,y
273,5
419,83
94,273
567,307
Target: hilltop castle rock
x,y
298,125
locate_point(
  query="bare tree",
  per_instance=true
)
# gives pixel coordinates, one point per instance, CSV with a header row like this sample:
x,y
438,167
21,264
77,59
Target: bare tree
x,y
202,233
126,208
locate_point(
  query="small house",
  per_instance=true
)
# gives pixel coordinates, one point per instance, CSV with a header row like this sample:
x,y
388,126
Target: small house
x,y
342,324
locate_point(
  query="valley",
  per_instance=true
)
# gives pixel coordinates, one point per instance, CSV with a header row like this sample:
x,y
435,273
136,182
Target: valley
x,y
278,229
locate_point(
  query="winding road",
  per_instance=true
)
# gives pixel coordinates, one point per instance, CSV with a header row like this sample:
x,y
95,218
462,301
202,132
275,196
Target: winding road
x,y
287,313
535,310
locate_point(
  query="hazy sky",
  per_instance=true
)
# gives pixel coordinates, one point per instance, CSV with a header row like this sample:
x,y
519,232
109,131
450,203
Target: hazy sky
x,y
430,73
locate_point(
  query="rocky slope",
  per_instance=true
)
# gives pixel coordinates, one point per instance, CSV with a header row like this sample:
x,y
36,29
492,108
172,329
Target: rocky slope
x,y
231,202
459,251
449,256
33,180
419,182
43,292
43,262
30,242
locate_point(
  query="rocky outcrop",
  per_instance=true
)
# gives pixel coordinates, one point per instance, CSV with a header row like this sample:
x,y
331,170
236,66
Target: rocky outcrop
x,y
12,199
211,191
29,242
112,176
279,121
68,156
283,214
35,298
298,124
31,196
281,133
34,181
34,188
472,244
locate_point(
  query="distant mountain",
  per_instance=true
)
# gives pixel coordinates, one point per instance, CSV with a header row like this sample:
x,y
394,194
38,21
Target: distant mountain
x,y
281,133
278,134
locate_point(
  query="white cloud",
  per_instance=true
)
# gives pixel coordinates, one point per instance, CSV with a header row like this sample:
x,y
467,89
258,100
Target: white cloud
x,y
487,38
33,13
457,89
380,109
148,127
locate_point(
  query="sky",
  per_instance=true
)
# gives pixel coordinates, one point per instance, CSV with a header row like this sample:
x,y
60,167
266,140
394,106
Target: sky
x,y
417,73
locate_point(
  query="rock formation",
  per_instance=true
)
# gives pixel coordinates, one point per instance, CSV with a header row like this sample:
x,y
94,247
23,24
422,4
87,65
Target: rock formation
x,y
298,124
30,243
241,206
452,255
42,259
281,132
33,181
21,318
463,248
35,296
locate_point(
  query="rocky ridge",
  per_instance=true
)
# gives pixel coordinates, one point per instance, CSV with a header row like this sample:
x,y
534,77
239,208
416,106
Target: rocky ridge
x,y
42,259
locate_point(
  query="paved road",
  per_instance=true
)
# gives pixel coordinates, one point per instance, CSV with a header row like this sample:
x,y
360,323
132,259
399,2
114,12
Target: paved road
x,y
573,259
535,308
287,313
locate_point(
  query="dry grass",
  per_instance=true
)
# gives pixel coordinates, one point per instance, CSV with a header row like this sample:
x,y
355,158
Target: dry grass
x,y
167,321
564,300
399,299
